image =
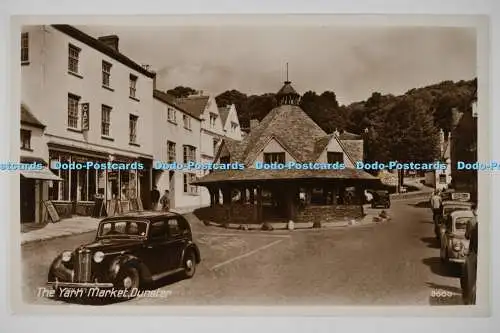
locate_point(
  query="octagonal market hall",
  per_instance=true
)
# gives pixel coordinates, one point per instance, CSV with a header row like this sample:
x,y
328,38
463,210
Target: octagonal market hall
x,y
287,134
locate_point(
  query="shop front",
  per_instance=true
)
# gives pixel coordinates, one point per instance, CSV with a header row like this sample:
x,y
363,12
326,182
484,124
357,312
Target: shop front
x,y
78,190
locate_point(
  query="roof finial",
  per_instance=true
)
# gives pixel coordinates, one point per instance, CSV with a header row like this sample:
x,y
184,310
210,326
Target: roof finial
x,y
287,71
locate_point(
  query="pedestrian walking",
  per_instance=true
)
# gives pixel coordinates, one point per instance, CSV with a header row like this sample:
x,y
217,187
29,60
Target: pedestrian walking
x,y
165,201
155,197
436,206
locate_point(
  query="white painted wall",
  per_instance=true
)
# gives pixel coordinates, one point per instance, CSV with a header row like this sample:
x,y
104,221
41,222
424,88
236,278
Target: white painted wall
x,y
38,145
334,146
272,146
46,84
232,117
165,130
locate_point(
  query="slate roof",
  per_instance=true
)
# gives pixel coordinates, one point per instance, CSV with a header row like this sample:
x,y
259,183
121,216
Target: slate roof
x,y
287,124
29,119
224,113
170,100
194,105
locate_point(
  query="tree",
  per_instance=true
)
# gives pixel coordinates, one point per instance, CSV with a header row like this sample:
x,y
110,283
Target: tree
x,y
181,92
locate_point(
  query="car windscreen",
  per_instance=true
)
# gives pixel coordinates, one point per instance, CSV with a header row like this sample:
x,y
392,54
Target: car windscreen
x,y
122,228
462,222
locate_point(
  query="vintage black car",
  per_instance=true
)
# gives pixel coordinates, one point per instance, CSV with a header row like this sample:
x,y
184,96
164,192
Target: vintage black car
x,y
129,252
381,198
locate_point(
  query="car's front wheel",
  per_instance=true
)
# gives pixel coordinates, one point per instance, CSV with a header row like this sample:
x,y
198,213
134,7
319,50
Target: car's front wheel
x,y
189,264
128,279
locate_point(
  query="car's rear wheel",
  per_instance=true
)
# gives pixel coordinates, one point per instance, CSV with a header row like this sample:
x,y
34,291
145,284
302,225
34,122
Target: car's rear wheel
x,y
189,264
128,279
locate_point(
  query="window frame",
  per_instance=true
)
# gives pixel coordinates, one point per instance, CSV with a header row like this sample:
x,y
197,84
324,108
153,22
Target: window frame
x,y
335,160
74,57
187,187
25,48
106,108
74,117
106,73
187,121
25,134
133,121
171,157
191,153
274,157
172,115
133,86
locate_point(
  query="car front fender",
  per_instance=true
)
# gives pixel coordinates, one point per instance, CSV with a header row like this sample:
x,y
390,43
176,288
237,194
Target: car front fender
x,y
128,260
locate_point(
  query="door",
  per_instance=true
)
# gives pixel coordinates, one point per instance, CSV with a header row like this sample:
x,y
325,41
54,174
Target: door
x,y
27,198
156,248
171,186
177,241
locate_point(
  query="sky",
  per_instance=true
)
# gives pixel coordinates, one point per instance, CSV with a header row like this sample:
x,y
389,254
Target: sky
x,y
351,61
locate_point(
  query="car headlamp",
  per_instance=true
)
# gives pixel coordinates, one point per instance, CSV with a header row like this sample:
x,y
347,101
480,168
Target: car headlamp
x,y
66,256
98,256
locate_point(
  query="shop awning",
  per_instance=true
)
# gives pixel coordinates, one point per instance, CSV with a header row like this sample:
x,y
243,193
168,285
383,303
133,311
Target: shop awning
x,y
43,174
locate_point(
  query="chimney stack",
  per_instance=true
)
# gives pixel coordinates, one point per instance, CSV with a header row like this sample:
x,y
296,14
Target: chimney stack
x,y
111,41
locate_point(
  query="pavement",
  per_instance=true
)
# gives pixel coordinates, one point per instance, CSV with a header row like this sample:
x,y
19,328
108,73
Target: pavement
x,y
83,224
393,263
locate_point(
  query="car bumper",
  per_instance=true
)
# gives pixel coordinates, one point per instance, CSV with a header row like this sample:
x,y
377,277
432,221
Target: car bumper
x,y
457,260
63,284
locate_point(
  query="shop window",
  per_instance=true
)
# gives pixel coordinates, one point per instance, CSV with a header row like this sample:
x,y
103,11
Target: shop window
x,y
274,157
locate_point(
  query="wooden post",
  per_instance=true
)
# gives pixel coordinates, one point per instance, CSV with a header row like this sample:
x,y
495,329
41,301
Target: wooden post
x,y
252,195
243,194
259,203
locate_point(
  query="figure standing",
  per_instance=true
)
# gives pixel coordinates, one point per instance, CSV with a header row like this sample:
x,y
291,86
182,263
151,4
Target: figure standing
x,y
155,197
165,201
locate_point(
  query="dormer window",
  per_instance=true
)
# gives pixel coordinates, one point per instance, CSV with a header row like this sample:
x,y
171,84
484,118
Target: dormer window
x,y
234,126
334,157
213,119
274,158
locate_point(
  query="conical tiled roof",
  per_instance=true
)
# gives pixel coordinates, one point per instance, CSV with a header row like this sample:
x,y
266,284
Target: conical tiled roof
x,y
287,89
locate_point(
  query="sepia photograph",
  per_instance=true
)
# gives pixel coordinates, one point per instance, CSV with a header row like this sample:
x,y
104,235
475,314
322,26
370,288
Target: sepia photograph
x,y
274,161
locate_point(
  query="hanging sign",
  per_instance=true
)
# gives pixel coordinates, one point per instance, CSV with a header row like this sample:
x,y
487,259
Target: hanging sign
x,y
85,116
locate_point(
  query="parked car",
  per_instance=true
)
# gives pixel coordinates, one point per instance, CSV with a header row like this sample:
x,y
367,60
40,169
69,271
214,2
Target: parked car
x,y
454,244
129,252
469,272
447,208
381,198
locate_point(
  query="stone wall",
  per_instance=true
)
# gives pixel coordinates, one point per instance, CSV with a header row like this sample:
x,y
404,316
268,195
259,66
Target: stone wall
x,y
245,214
329,213
238,213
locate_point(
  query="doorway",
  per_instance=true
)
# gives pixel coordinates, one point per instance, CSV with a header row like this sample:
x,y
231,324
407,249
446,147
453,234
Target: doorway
x,y
171,188
27,198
